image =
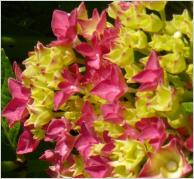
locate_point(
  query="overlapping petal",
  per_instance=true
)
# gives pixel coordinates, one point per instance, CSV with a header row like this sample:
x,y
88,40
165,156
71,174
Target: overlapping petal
x,y
26,143
152,75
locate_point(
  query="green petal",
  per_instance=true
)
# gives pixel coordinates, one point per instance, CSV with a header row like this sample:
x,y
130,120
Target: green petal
x,y
173,63
162,101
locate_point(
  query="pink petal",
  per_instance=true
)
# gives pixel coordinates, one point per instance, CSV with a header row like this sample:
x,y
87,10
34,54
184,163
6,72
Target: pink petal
x,y
26,143
15,111
152,63
48,155
129,132
88,115
107,88
73,18
106,150
98,167
60,98
95,15
146,76
59,23
148,86
189,144
17,90
94,63
56,129
112,112
107,91
152,130
64,146
85,49
85,141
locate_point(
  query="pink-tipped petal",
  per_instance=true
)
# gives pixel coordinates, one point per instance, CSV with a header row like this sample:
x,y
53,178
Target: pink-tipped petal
x,y
81,11
102,23
129,133
17,70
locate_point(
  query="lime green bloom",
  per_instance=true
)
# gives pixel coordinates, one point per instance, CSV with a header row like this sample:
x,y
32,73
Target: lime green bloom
x,y
45,64
126,157
173,63
180,24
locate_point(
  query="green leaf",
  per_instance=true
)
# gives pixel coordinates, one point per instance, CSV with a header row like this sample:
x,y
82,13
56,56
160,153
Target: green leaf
x,y
188,107
8,134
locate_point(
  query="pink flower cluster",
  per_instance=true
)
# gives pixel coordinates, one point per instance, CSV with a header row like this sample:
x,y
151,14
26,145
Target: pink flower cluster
x,y
101,141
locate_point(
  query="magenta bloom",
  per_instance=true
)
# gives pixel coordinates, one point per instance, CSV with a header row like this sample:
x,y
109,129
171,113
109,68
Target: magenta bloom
x,y
152,130
152,75
107,111
57,129
100,45
68,87
107,88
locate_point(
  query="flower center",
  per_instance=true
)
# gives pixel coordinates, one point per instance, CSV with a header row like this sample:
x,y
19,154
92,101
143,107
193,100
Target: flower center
x,y
177,34
171,166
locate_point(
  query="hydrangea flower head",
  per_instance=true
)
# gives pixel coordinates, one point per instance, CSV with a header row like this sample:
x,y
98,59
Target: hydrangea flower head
x,y
114,98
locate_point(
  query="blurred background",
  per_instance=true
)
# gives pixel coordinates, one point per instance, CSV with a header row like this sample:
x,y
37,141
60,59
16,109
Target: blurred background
x,y
23,23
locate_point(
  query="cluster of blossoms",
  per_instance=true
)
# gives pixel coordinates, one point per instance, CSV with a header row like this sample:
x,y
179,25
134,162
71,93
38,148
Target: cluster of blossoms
x,y
109,95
